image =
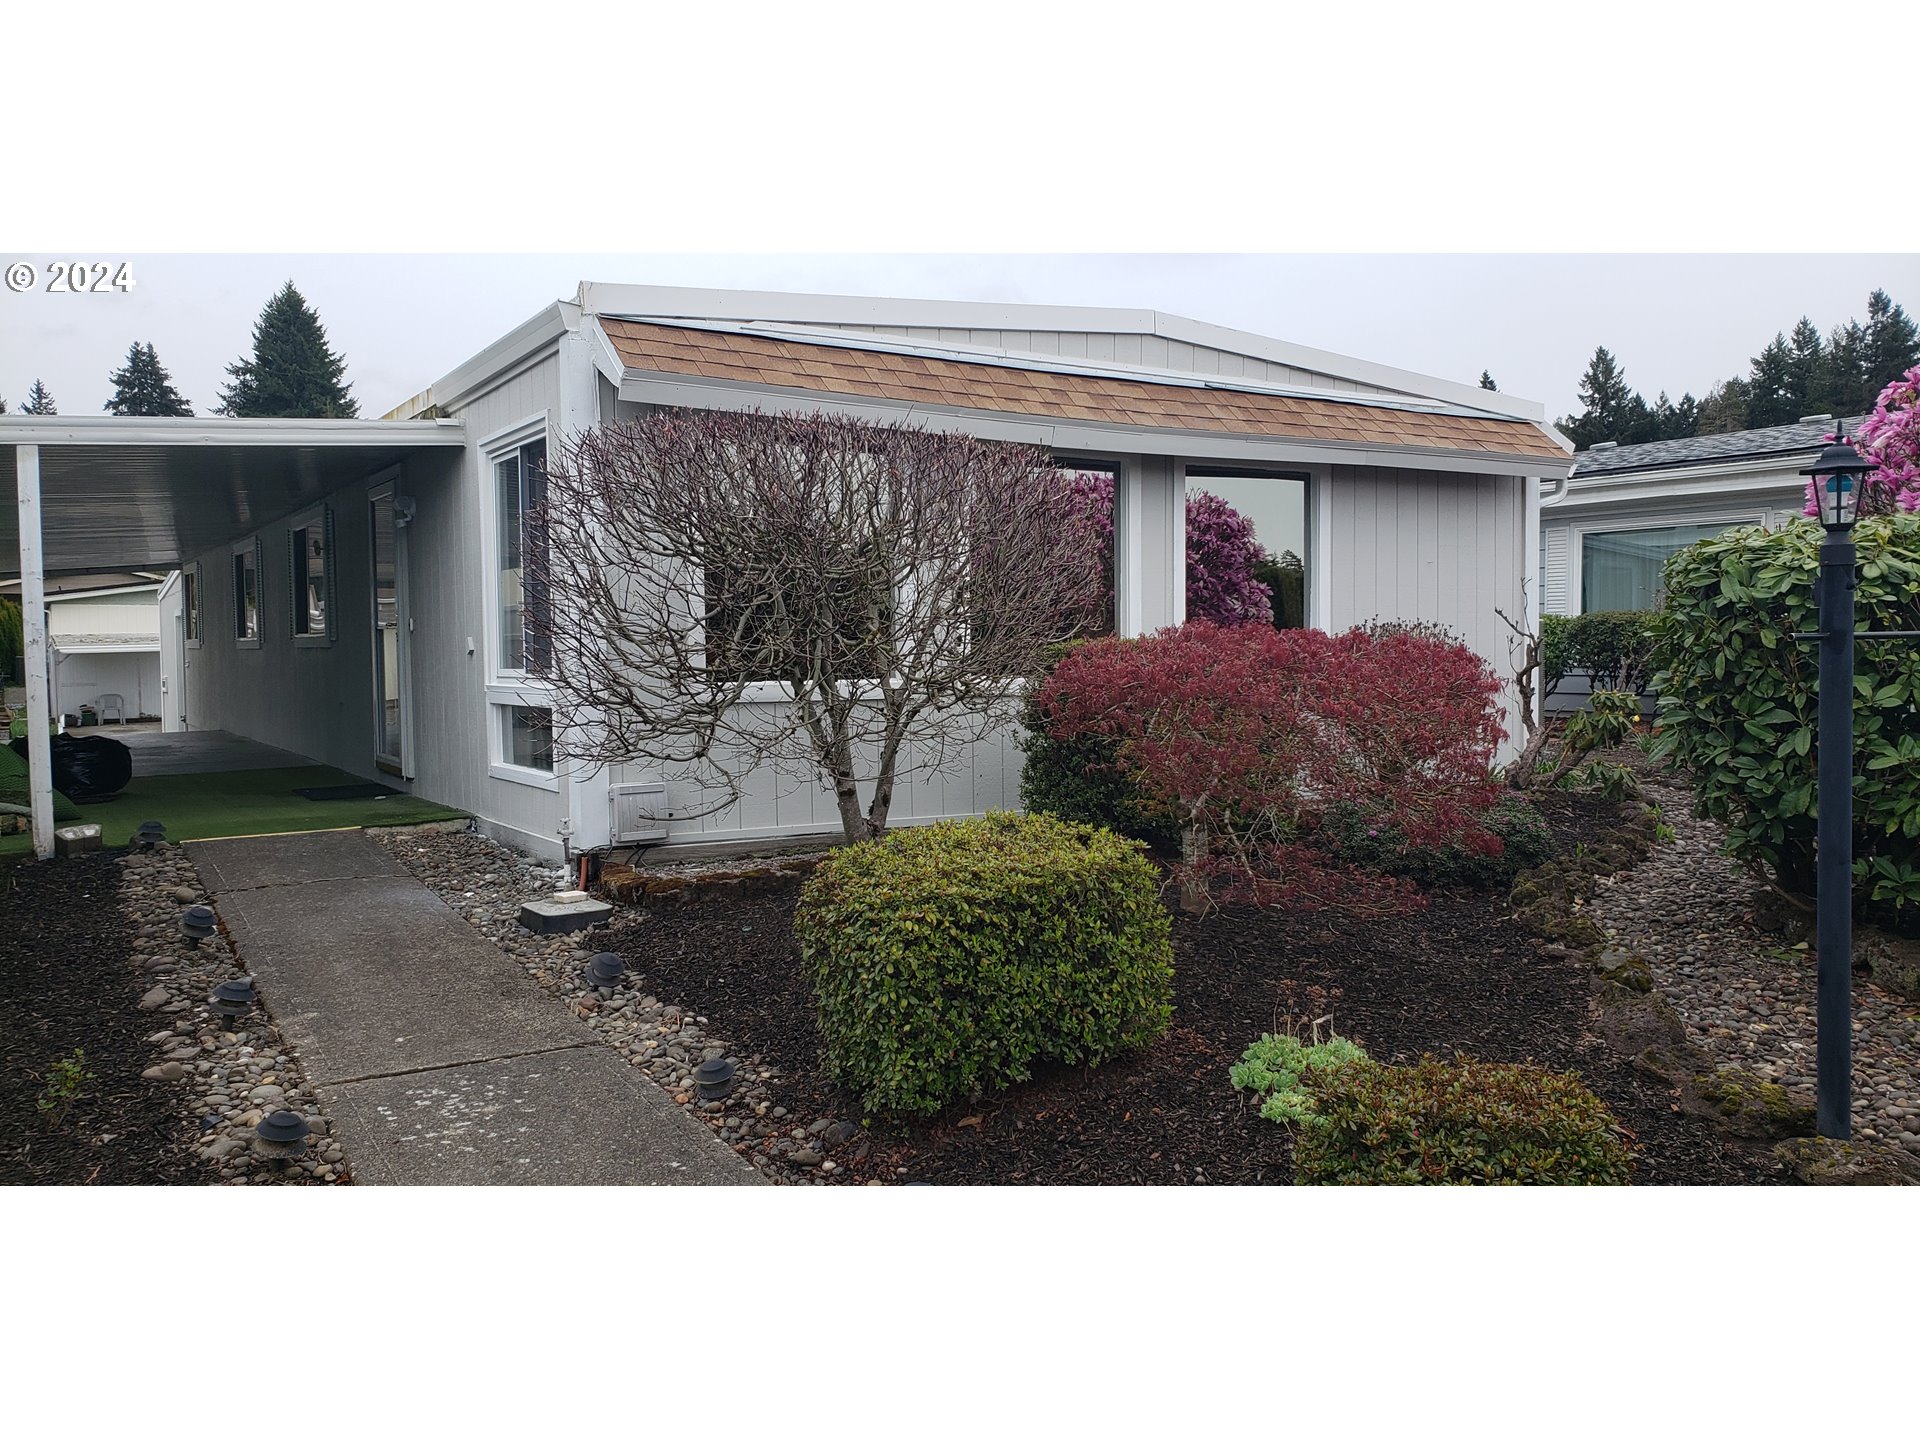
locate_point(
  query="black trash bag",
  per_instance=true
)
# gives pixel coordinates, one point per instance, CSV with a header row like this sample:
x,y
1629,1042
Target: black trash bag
x,y
87,767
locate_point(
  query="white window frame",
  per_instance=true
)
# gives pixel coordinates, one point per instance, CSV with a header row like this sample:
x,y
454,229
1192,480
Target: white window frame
x,y
193,598
317,517
501,699
492,449
250,546
1578,530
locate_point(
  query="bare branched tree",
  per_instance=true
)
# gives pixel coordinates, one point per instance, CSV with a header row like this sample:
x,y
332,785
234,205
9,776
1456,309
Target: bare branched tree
x,y
726,592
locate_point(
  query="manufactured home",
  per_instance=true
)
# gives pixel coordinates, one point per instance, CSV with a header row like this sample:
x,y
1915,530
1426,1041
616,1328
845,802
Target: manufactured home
x,y
350,590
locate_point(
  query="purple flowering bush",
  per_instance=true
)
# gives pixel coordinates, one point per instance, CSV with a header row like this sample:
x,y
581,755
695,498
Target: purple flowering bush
x,y
1222,552
1890,438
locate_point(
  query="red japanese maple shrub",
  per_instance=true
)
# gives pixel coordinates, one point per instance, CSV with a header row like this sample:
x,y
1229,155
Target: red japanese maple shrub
x,y
1256,739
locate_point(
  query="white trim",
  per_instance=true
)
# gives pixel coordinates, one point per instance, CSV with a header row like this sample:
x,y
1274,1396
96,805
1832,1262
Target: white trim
x,y
215,432
1578,530
190,637
492,449
315,516
521,775
127,647
829,310
63,596
494,365
535,693
1533,579
1078,438
33,647
250,545
1319,540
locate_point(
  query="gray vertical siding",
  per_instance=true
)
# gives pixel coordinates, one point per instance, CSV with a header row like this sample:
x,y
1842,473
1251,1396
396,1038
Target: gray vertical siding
x,y
1428,545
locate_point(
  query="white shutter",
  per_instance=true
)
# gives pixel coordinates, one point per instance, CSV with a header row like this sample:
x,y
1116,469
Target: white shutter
x,y
1556,571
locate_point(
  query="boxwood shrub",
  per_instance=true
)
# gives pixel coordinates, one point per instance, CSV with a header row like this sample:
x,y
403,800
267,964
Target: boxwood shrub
x,y
948,959
1463,1122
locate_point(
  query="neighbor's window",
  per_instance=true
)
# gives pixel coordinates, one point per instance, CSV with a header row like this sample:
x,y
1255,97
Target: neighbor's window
x,y
1620,569
307,546
246,593
529,737
520,478
190,600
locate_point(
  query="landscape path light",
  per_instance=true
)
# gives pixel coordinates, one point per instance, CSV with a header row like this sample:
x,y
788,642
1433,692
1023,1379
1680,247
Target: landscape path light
x,y
197,923
281,1137
604,970
713,1079
230,1000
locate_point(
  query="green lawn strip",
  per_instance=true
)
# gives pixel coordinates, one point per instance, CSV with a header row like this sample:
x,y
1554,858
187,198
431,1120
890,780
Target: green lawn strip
x,y
240,802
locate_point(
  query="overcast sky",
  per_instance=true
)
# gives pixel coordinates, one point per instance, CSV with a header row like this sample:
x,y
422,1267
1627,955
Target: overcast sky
x,y
1676,322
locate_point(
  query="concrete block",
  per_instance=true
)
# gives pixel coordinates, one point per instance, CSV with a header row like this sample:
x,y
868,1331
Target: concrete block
x,y
75,840
556,916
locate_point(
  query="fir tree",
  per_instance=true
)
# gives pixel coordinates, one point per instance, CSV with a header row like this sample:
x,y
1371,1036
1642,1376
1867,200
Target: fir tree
x,y
39,402
1611,409
1724,410
3,404
1806,369
1892,346
1769,387
143,386
292,373
1846,370
1486,381
1686,418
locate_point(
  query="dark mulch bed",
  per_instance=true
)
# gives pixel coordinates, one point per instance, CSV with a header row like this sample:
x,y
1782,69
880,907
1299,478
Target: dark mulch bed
x,y
1456,977
65,984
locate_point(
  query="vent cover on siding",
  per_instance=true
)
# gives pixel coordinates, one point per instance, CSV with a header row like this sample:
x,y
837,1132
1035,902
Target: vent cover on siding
x,y
1556,571
639,813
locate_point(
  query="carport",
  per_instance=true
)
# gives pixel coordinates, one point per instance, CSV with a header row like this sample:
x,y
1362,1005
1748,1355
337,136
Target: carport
x,y
107,493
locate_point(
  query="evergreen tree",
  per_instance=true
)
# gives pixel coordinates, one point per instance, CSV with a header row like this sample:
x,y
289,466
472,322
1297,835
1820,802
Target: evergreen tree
x,y
292,373
1769,387
1486,381
39,402
1846,371
1806,369
1892,346
1611,409
3,404
1724,410
143,386
1686,418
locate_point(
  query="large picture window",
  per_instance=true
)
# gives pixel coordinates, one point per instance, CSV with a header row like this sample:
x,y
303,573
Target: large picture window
x,y
520,480
1620,569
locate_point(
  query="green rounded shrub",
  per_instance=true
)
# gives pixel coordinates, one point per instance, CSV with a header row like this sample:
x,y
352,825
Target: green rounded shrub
x,y
1464,1122
1525,841
1739,700
948,959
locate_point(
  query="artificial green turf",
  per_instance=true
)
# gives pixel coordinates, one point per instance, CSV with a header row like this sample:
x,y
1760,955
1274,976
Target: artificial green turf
x,y
239,802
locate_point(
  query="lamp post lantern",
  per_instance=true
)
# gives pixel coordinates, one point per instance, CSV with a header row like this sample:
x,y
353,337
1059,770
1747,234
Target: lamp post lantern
x,y
1837,477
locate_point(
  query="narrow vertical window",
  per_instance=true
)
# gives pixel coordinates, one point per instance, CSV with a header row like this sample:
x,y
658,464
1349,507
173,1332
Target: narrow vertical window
x,y
308,553
520,480
190,600
246,594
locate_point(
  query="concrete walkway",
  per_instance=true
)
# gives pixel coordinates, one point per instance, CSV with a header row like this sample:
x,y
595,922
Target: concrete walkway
x,y
200,752
440,1062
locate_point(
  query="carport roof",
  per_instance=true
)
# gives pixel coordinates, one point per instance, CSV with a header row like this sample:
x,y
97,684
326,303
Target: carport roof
x,y
139,494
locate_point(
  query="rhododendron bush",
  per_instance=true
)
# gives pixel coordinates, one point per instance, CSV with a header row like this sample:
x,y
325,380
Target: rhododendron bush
x,y
1256,740
1890,438
1222,552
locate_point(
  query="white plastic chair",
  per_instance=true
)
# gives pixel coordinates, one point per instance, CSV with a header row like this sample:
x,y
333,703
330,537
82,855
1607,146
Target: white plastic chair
x,y
117,704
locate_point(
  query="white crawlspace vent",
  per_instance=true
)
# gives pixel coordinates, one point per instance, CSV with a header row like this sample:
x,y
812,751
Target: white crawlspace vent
x,y
639,813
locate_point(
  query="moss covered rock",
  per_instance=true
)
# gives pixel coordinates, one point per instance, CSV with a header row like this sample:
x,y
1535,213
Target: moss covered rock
x,y
1893,959
1817,1161
1752,1106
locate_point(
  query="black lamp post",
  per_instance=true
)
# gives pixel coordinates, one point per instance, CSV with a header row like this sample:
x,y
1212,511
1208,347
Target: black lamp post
x,y
1837,478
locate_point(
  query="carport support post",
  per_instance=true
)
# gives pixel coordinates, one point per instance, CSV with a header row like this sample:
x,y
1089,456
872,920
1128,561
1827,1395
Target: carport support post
x,y
33,623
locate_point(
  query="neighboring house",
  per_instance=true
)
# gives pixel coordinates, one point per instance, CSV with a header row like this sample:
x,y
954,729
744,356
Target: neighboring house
x,y
351,590
1607,529
104,636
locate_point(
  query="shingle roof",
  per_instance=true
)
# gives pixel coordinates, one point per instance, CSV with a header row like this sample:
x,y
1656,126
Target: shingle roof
x,y
1783,440
983,384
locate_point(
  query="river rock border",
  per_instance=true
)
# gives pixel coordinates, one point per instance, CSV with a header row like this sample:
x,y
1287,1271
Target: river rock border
x,y
487,883
227,1080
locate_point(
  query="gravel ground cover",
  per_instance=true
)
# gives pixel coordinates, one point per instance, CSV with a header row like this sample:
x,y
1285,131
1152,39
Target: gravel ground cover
x,y
1747,999
92,958
722,977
